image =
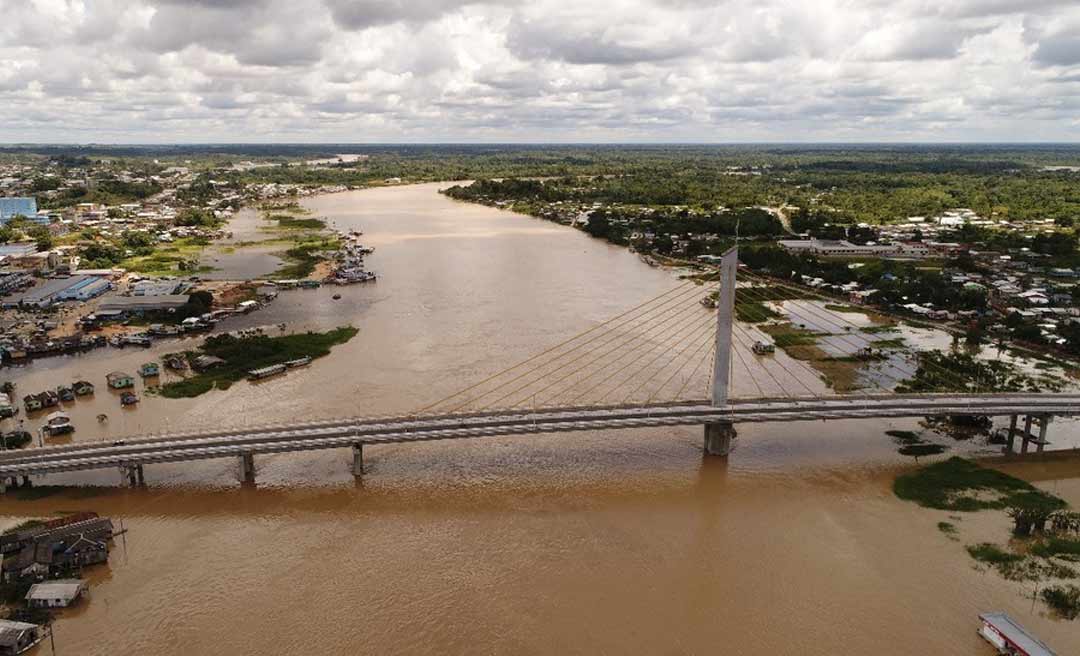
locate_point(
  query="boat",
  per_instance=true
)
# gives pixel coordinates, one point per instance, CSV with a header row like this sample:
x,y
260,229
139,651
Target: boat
x,y
336,297
128,398
138,340
65,393
763,348
298,362
83,387
266,372
49,399
15,439
58,423
7,409
1008,637
149,370
310,284
176,363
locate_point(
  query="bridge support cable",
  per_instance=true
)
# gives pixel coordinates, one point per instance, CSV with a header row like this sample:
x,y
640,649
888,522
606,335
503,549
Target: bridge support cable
x,y
636,355
799,365
837,319
703,330
694,357
674,363
643,323
817,375
654,341
753,379
853,339
709,357
678,289
746,341
832,321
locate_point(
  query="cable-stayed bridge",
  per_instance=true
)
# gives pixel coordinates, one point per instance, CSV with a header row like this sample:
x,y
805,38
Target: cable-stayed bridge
x,y
699,353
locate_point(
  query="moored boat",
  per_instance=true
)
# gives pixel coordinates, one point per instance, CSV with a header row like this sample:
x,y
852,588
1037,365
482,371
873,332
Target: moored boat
x,y
58,423
298,362
266,372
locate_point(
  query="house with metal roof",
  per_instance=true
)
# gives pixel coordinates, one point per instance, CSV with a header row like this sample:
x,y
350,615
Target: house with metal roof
x,y
56,594
17,637
1010,638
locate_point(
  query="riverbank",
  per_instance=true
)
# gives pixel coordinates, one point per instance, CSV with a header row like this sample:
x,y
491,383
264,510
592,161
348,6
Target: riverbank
x,y
509,542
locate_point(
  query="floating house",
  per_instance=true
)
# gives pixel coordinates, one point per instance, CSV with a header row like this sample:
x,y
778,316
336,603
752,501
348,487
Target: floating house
x,y
83,387
58,423
32,402
56,594
119,380
6,408
149,370
1010,638
18,637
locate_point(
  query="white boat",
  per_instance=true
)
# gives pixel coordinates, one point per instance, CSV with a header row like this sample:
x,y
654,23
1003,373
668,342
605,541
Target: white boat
x,y
298,362
266,372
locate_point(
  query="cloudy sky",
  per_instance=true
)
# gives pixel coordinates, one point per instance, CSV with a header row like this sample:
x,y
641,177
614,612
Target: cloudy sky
x,y
122,71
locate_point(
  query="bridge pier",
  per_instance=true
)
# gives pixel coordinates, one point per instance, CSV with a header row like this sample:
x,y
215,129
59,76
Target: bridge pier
x,y
133,474
358,459
247,468
1027,438
718,438
1044,424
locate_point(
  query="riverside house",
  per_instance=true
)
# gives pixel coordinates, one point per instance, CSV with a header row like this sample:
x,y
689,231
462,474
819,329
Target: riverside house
x,y
119,380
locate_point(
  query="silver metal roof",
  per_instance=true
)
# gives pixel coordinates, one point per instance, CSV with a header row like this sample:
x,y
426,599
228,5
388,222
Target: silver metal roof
x,y
1016,634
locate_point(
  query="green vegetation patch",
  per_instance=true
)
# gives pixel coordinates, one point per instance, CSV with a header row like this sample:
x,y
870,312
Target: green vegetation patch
x,y
753,312
289,222
948,528
1057,546
1064,599
304,256
242,354
962,485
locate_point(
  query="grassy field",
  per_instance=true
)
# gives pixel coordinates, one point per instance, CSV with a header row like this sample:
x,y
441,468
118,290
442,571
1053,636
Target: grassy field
x,y
242,354
181,256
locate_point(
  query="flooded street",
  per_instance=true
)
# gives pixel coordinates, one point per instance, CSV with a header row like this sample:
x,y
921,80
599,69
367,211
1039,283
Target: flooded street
x,y
601,542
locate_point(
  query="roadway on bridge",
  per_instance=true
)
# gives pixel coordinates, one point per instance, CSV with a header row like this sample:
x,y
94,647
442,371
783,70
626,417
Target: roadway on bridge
x,y
346,432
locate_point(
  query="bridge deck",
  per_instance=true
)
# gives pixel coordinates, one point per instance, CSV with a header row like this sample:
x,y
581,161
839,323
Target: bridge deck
x,y
338,433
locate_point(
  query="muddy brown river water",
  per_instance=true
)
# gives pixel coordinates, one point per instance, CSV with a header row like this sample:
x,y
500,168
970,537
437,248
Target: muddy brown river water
x,y
607,542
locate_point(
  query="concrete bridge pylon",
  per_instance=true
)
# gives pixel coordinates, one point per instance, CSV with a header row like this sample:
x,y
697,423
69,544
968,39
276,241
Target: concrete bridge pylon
x,y
719,435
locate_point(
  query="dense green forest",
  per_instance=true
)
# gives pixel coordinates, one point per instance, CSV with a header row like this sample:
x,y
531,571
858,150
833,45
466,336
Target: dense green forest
x,y
862,183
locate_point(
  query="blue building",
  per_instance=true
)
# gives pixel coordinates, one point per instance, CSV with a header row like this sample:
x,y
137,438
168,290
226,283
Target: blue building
x,y
11,207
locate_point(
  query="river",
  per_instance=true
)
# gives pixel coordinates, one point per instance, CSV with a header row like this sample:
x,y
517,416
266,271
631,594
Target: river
x,y
604,542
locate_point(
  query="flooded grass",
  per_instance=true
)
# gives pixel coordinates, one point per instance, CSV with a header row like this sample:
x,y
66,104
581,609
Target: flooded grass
x,y
962,485
1057,546
1064,599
